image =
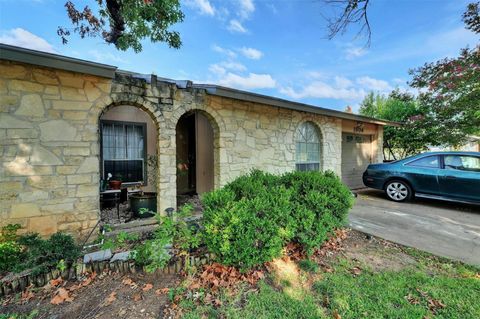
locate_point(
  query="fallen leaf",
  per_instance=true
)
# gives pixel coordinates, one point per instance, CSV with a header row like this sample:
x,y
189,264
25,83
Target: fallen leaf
x,y
147,287
356,271
336,315
27,295
129,282
137,297
162,291
111,298
56,282
61,295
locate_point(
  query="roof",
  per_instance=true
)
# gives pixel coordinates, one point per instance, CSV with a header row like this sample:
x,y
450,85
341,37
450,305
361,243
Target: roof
x,y
13,53
274,101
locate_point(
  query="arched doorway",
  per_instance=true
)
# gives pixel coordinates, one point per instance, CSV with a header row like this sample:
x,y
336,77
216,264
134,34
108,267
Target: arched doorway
x,y
128,154
195,154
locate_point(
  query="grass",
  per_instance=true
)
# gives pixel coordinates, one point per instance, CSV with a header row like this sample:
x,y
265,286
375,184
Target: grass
x,y
403,294
31,315
432,288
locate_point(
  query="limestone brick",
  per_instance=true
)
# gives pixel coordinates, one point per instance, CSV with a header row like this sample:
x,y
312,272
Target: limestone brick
x,y
31,105
57,130
23,210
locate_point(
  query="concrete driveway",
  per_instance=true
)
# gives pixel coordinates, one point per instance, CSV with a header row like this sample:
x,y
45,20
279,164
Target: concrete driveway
x,y
441,228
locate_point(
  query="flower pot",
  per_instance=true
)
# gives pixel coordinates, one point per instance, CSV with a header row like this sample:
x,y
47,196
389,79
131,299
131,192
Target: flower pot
x,y
115,184
147,200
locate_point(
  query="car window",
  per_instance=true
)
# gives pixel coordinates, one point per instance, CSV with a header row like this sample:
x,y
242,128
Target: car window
x,y
429,162
462,162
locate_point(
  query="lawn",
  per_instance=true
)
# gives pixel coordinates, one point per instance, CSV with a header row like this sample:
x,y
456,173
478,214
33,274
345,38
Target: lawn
x,y
363,279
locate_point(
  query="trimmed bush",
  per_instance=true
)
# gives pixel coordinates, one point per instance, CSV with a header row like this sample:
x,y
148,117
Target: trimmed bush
x,y
321,203
249,221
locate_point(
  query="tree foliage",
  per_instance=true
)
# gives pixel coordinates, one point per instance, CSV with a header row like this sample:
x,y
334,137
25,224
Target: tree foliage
x,y
450,96
412,136
124,23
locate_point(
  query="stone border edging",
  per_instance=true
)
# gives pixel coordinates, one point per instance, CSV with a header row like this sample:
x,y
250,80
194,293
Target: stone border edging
x,y
21,281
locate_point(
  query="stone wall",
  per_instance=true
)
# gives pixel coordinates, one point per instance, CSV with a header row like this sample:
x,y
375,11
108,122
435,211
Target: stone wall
x,y
49,166
49,120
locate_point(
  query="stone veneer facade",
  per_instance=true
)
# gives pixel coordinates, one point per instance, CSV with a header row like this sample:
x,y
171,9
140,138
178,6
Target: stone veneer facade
x,y
49,170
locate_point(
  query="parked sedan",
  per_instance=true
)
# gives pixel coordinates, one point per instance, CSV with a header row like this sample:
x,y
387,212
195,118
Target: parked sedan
x,y
442,175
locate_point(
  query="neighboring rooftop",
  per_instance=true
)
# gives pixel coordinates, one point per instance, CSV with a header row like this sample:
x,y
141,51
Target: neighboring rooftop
x,y
13,53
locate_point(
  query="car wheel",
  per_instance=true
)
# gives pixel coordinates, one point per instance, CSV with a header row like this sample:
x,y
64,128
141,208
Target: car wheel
x,y
398,191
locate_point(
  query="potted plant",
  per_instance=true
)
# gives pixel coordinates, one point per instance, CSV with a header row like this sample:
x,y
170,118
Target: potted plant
x,y
114,183
143,204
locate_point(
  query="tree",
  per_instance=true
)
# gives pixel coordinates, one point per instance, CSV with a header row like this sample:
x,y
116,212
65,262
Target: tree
x,y
349,12
355,12
412,136
124,23
450,91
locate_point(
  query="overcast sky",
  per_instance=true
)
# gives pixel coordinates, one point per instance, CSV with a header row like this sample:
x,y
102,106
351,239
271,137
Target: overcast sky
x,y
274,47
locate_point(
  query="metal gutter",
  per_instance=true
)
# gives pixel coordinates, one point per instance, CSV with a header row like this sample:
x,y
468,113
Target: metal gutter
x,y
274,101
56,61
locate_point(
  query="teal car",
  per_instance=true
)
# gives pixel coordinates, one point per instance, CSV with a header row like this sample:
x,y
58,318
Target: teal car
x,y
453,176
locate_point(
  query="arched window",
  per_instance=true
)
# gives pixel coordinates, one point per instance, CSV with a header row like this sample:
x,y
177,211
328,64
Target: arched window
x,y
308,141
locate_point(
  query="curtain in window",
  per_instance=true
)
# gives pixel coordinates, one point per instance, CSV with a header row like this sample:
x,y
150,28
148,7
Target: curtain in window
x,y
308,147
122,141
123,151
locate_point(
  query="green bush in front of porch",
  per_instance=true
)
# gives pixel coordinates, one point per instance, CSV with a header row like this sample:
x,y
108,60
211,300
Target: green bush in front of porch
x,y
251,219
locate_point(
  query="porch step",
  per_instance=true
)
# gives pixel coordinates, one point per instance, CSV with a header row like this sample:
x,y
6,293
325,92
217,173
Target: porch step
x,y
135,223
141,230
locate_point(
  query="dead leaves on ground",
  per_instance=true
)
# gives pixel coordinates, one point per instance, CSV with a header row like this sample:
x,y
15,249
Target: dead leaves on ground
x,y
216,276
63,294
433,304
147,287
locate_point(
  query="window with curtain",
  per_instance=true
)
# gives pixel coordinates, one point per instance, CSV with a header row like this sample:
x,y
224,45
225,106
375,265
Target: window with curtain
x,y
124,150
308,147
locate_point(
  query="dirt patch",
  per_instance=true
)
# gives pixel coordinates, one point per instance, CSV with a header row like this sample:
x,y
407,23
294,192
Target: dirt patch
x,y
375,253
107,296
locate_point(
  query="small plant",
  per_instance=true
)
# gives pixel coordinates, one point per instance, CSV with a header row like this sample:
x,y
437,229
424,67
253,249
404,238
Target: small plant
x,y
61,265
122,240
172,232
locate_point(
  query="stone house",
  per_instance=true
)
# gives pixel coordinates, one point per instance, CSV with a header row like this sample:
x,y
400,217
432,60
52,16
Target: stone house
x,y
66,123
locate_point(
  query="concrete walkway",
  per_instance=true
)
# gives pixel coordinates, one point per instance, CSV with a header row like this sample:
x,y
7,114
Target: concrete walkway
x,y
442,228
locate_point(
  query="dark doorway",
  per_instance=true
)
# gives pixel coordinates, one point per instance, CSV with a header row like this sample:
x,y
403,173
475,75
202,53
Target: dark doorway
x,y
195,159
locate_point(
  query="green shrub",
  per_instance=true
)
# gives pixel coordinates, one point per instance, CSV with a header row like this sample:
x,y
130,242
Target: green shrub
x,y
250,220
29,251
248,232
321,203
10,250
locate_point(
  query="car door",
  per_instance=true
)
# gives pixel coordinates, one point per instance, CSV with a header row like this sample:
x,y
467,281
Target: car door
x,y
460,177
423,174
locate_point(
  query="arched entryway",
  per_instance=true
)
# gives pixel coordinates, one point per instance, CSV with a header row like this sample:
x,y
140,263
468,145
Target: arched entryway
x,y
195,154
128,154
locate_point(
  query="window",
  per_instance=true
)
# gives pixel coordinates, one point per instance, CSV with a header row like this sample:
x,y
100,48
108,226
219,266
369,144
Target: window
x,y
308,147
124,150
462,162
427,162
